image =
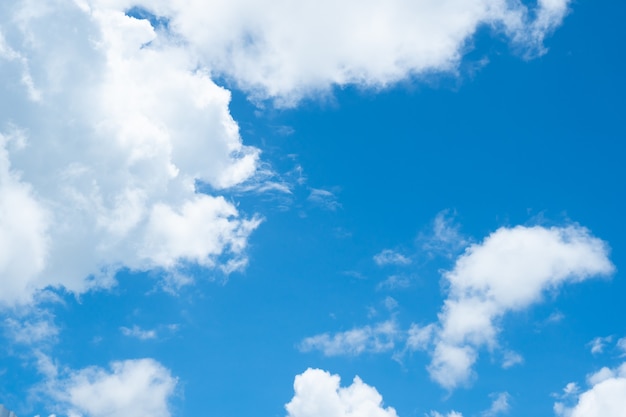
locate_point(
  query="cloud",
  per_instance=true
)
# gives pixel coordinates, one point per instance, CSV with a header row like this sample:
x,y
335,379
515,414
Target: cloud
x,y
324,198
500,405
511,359
508,271
599,343
31,331
319,394
450,414
107,125
390,257
445,237
621,345
381,337
288,51
606,396
141,388
139,333
394,282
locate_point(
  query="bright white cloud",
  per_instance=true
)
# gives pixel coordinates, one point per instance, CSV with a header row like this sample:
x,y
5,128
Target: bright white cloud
x,y
289,50
606,396
107,124
374,339
319,394
507,272
391,257
141,388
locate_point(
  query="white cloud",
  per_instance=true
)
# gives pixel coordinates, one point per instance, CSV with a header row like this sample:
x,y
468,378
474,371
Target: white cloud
x,y
374,339
621,345
508,271
450,414
500,404
31,331
511,359
106,126
324,198
139,333
319,394
445,237
390,257
287,50
606,396
140,388
599,343
394,282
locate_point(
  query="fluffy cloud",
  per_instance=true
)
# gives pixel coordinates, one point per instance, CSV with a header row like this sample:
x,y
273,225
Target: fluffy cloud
x,y
375,339
507,272
288,50
107,125
319,394
140,388
606,396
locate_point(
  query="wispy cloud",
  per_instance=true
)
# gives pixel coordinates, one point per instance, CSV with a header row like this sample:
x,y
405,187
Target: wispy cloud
x,y
139,333
391,257
324,198
381,337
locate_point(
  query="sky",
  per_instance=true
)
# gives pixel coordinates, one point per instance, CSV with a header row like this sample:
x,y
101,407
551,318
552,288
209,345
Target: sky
x,y
312,209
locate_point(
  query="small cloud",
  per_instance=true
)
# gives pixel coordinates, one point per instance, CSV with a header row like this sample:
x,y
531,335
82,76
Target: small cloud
x,y
511,359
138,333
31,331
391,257
445,237
450,414
555,317
354,274
621,345
500,404
599,343
379,338
394,282
391,303
284,130
324,198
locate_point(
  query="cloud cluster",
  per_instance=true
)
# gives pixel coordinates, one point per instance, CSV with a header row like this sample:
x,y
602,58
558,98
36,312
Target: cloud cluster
x,y
111,116
319,394
508,271
606,396
107,126
141,388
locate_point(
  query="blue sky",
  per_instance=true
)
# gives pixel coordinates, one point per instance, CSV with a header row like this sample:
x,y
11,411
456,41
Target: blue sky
x,y
222,209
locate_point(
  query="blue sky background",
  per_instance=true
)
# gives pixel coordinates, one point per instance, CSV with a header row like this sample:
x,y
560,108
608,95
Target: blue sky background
x,y
506,141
